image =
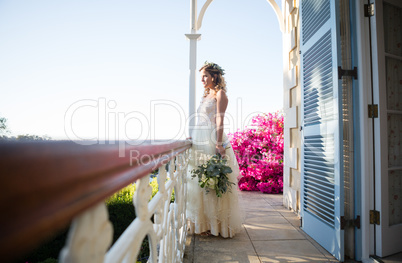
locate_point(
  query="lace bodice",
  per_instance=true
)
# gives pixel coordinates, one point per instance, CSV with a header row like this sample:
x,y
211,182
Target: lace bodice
x,y
206,112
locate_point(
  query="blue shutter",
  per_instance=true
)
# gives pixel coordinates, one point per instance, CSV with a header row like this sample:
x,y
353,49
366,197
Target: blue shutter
x,y
322,182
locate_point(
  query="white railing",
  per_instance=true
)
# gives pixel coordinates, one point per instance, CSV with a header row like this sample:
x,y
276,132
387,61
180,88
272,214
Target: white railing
x,y
90,234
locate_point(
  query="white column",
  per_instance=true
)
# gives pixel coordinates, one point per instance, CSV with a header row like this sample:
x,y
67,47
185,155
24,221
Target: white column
x,y
193,21
193,37
193,84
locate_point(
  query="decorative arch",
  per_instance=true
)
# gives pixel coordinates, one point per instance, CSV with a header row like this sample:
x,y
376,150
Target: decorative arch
x,y
202,12
273,4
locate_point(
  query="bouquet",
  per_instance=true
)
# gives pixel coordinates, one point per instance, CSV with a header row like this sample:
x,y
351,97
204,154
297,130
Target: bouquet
x,y
213,175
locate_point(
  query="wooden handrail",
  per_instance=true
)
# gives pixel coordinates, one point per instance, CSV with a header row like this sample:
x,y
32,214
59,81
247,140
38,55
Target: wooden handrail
x,y
44,185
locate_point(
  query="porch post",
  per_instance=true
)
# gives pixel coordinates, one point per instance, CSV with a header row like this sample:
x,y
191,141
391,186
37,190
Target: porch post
x,y
193,37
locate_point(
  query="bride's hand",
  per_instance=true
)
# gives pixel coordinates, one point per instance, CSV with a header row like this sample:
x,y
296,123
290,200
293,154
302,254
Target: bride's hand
x,y
220,150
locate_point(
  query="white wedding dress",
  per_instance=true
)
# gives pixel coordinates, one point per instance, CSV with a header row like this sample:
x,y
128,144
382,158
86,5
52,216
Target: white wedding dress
x,y
205,211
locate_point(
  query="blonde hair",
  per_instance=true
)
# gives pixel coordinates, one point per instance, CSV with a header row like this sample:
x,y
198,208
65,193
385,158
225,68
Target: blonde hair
x,y
216,72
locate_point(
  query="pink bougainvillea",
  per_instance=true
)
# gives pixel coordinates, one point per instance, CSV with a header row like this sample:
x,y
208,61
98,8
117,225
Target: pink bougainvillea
x,y
259,152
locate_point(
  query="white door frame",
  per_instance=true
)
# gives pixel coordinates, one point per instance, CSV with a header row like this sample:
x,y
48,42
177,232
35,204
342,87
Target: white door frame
x,y
367,154
366,149
388,238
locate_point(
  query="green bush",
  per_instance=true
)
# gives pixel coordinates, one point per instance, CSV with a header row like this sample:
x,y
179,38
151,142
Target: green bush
x,y
121,210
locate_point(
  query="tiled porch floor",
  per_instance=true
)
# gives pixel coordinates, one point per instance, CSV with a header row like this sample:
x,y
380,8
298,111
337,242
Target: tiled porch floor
x,y
270,233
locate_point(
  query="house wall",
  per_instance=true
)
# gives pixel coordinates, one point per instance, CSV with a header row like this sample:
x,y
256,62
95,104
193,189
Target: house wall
x,y
292,106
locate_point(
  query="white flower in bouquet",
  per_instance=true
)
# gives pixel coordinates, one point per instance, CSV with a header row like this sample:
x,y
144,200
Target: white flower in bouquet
x,y
212,182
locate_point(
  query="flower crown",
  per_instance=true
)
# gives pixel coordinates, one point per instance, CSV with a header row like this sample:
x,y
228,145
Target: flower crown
x,y
215,66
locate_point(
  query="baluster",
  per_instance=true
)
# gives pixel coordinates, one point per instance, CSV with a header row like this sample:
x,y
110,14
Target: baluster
x,y
89,237
181,202
140,200
127,247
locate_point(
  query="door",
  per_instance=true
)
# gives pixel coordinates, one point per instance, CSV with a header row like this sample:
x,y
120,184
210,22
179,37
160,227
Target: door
x,y
322,182
386,38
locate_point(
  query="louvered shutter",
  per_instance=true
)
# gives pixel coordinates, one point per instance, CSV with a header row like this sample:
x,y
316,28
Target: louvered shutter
x,y
322,185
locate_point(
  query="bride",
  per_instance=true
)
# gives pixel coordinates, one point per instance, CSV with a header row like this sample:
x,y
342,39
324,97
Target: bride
x,y
208,214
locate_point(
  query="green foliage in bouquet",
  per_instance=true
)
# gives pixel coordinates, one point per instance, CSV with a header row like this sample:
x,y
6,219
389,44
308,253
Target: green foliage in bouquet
x,y
213,175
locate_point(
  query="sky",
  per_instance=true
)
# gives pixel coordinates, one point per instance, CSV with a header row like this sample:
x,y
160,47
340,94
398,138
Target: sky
x,y
119,70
